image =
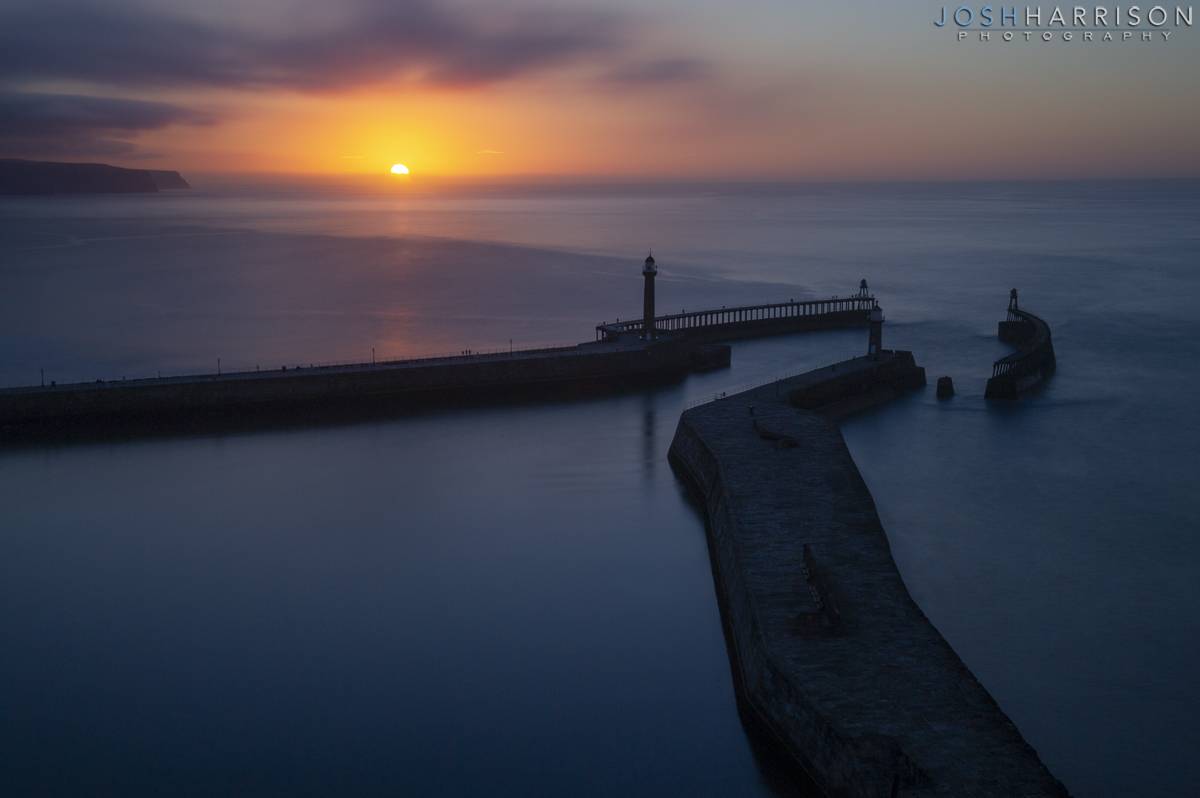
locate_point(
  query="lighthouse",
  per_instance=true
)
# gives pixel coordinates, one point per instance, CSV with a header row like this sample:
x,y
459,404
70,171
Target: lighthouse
x,y
875,342
649,270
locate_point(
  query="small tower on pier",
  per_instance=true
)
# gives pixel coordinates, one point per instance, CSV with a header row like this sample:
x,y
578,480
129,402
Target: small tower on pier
x,y
649,270
875,342
1012,300
863,291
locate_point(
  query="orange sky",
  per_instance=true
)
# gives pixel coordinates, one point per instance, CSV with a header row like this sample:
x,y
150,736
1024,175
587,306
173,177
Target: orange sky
x,y
688,90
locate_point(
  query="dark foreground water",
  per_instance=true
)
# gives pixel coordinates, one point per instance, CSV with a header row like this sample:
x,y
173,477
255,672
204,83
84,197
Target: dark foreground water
x,y
517,600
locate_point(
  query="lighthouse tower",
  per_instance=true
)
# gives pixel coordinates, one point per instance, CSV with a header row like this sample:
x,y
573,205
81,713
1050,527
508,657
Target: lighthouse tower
x,y
649,270
875,342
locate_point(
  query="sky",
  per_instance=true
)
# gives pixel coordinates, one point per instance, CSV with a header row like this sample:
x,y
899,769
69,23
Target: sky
x,y
678,89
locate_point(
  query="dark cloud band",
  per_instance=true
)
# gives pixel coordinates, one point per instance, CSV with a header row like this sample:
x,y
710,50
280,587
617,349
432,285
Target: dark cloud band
x,y
62,124
122,45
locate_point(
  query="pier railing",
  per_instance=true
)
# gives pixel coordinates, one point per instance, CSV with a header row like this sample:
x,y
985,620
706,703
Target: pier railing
x,y
1034,346
744,314
242,370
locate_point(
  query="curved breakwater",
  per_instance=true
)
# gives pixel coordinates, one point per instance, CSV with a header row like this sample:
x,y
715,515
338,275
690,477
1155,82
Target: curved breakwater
x,y
1031,364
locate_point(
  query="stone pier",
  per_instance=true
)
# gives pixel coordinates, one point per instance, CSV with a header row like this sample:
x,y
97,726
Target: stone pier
x,y
832,658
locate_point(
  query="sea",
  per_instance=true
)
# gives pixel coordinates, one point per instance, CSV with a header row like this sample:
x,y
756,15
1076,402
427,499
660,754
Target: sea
x,y
518,599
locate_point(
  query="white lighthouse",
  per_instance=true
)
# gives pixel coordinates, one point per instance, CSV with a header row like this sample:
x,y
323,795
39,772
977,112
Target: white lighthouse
x,y
875,341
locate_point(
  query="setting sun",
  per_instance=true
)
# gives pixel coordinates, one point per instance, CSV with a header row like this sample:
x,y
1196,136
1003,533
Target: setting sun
x,y
399,169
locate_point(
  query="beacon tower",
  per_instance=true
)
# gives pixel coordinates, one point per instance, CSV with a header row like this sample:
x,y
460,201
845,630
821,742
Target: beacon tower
x,y
649,270
875,342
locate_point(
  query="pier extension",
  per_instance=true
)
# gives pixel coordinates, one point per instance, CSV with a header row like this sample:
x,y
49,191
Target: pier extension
x,y
652,349
251,398
831,656
1031,364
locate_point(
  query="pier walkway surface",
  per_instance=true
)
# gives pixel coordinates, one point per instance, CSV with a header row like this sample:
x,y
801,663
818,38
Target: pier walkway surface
x,y
831,656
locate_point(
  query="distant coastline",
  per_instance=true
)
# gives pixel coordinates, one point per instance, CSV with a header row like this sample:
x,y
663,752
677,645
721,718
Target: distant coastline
x,y
53,177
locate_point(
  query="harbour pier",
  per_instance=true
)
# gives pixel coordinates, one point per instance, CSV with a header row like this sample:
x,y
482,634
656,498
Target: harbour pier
x,y
1032,363
625,355
746,321
347,391
832,659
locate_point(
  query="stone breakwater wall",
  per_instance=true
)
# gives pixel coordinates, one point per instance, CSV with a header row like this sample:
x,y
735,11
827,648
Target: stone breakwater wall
x,y
400,384
831,656
1032,363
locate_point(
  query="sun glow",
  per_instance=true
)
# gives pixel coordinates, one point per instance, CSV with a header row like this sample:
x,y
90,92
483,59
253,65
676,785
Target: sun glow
x,y
399,169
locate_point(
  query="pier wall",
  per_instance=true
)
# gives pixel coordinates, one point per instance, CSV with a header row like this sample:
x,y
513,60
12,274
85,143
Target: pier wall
x,y
831,657
1032,363
841,393
776,704
586,368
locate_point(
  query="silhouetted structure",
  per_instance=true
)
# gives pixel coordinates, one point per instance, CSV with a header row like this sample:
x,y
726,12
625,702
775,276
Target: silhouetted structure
x,y
649,271
830,654
744,321
52,177
875,337
1032,363
651,349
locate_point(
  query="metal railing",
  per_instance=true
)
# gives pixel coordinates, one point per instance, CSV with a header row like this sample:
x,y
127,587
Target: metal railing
x,y
742,314
1031,353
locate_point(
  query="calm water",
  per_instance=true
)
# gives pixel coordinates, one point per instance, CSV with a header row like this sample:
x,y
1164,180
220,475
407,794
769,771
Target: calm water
x,y
518,599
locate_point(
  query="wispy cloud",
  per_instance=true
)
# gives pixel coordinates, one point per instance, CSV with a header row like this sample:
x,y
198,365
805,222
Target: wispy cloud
x,y
661,71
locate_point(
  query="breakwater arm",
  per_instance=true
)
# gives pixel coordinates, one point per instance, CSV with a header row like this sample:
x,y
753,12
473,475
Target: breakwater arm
x,y
751,321
1032,363
315,394
832,658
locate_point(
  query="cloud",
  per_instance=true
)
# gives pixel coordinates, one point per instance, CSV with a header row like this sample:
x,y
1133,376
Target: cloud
x,y
63,124
136,46
661,71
